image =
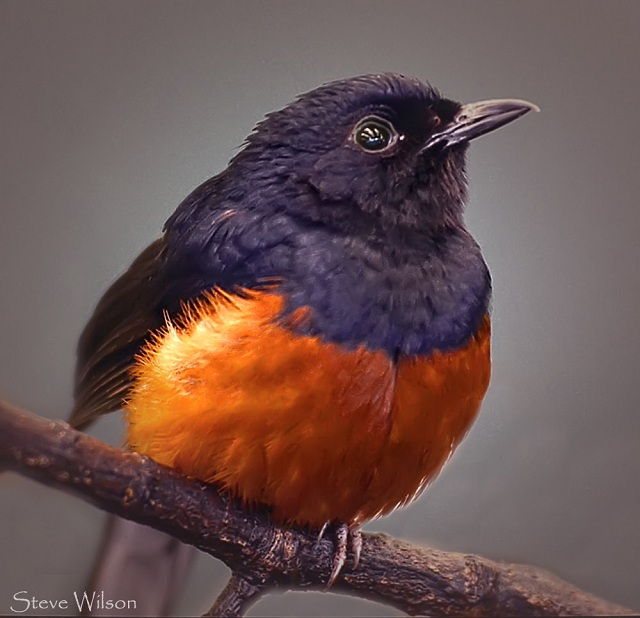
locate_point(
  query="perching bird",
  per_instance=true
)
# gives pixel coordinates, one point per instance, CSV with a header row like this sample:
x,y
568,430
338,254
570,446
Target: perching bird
x,y
311,332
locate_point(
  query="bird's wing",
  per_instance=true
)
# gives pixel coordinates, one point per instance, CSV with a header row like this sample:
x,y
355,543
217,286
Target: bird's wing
x,y
118,327
157,284
133,307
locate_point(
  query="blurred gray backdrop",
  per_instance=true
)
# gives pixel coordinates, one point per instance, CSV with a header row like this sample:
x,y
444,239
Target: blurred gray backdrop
x,y
111,112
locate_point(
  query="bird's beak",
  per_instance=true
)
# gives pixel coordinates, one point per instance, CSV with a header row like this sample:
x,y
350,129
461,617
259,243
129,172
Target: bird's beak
x,y
476,119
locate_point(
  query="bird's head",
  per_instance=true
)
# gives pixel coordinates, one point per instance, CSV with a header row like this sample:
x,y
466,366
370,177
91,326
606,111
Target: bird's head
x,y
378,150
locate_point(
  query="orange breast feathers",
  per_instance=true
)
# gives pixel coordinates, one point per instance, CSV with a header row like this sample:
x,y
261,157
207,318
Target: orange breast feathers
x,y
316,432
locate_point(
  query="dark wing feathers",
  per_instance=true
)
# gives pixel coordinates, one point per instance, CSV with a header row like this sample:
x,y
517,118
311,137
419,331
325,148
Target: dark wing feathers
x,y
164,277
119,326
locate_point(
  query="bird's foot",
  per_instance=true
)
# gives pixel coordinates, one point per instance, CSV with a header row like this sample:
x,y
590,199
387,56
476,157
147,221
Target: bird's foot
x,y
343,534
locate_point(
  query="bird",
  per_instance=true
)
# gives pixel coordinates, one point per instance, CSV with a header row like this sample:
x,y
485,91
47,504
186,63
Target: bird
x,y
311,332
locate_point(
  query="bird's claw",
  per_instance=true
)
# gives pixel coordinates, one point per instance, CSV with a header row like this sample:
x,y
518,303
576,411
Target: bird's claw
x,y
344,534
356,545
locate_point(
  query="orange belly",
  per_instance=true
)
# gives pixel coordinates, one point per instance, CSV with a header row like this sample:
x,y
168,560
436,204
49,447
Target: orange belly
x,y
314,431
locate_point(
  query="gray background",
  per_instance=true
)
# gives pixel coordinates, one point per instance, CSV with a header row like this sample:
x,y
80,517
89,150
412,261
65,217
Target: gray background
x,y
111,112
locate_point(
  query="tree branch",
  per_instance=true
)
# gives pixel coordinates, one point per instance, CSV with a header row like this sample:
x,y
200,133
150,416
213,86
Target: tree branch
x,y
413,579
239,594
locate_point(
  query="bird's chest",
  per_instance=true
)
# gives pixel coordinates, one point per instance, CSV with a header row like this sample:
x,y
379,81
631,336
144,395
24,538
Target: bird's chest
x,y
316,431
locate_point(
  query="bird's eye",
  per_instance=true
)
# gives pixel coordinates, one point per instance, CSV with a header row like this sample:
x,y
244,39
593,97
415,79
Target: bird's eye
x,y
374,134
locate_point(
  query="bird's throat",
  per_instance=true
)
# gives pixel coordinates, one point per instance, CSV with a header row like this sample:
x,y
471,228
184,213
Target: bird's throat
x,y
433,298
